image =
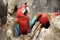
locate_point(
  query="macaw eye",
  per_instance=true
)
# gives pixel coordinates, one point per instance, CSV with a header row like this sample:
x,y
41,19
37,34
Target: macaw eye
x,y
25,10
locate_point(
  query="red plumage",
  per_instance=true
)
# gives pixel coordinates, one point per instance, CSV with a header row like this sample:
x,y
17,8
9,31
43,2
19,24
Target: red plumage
x,y
43,19
23,20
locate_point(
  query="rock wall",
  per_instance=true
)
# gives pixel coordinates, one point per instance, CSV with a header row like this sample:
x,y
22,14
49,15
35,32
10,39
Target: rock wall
x,y
3,12
52,33
36,6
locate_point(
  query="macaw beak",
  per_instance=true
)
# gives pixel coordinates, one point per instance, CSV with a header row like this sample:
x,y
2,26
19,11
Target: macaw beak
x,y
27,8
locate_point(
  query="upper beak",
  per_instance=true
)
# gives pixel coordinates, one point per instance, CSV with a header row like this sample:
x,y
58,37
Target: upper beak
x,y
27,9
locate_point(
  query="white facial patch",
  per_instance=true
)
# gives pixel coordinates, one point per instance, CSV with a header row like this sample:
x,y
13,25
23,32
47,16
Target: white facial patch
x,y
23,10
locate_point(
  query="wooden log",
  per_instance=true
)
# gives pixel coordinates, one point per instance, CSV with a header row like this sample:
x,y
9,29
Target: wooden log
x,y
34,28
37,32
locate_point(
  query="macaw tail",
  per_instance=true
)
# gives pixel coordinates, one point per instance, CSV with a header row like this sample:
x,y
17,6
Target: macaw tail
x,y
33,21
17,29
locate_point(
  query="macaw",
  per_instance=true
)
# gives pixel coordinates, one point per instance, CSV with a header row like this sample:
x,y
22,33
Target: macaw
x,y
42,18
23,19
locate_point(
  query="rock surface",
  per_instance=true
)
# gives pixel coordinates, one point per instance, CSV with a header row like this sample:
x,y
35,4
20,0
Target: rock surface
x,y
52,33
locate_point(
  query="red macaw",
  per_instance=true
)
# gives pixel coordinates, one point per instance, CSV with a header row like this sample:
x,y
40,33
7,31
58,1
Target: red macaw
x,y
43,19
23,20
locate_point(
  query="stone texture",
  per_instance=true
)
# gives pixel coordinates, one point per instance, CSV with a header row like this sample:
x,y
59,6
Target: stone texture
x,y
52,33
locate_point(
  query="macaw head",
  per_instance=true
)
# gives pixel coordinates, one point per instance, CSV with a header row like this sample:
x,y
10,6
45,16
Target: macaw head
x,y
25,9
